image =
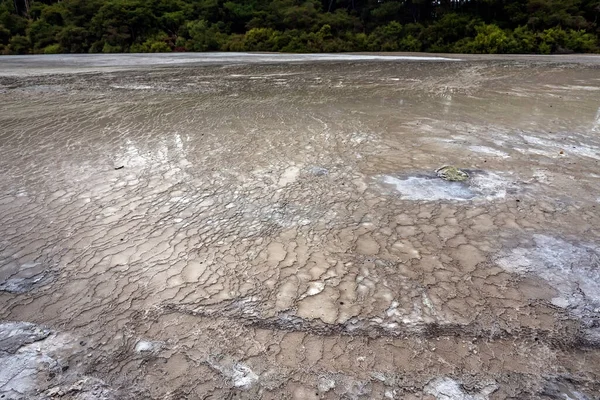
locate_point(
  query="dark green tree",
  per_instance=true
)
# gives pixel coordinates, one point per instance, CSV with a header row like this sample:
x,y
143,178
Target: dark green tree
x,y
480,26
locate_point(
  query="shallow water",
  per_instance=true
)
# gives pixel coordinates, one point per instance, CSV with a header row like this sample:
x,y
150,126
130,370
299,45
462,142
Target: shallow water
x,y
429,188
266,226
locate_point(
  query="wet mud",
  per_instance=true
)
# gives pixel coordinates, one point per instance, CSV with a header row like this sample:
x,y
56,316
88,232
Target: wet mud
x,y
275,228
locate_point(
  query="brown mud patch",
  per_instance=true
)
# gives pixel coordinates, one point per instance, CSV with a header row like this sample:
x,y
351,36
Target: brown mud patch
x,y
277,230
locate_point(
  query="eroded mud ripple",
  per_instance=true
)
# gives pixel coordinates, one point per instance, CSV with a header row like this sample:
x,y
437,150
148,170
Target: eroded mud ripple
x,y
274,230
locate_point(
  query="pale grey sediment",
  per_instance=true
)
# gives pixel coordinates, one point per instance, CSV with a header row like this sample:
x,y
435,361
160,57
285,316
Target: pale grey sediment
x,y
273,227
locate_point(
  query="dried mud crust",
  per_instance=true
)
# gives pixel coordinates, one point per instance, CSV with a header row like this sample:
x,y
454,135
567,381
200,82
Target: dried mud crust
x,y
279,231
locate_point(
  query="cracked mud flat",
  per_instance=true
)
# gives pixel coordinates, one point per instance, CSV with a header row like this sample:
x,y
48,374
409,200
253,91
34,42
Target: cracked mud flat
x,y
274,228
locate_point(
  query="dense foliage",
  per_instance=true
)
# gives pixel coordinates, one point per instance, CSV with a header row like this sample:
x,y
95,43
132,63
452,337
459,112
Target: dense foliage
x,y
469,26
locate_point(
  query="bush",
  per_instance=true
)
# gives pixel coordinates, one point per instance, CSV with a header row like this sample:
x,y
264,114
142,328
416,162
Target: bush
x,y
581,42
409,43
282,39
340,22
544,48
557,40
53,49
159,47
156,44
19,45
73,39
441,35
108,48
202,36
97,47
297,44
552,40
259,39
42,34
523,40
386,38
490,39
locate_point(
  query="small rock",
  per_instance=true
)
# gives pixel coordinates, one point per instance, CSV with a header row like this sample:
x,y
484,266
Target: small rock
x,y
55,391
452,174
319,171
243,377
77,386
325,384
240,374
378,376
144,346
446,388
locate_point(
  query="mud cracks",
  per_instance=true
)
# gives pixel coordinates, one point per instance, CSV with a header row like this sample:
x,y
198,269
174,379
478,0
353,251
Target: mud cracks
x,y
279,231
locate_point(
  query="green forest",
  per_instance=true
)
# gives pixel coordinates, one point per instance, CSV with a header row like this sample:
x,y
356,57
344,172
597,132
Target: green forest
x,y
449,26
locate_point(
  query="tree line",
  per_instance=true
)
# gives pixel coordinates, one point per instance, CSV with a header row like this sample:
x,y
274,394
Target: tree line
x,y
462,26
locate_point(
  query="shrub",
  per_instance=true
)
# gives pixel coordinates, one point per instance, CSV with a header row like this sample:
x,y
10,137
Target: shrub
x,y
557,40
108,48
259,39
544,48
159,47
42,34
523,40
53,49
155,44
441,35
235,42
490,39
581,41
552,40
19,45
73,39
202,36
409,43
386,38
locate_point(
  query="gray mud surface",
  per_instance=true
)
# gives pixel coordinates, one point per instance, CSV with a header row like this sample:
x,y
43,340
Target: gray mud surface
x,y
262,226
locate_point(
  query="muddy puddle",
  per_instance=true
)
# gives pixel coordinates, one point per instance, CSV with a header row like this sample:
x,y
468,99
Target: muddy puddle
x,y
274,227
